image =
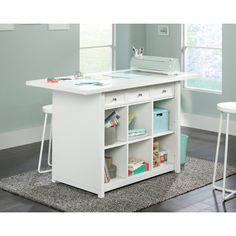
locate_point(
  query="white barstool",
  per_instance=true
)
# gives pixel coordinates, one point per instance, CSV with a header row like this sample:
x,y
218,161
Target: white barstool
x,y
225,107
48,111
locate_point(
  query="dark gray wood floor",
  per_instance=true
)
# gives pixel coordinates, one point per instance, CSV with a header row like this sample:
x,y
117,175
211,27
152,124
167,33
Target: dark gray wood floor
x,y
202,144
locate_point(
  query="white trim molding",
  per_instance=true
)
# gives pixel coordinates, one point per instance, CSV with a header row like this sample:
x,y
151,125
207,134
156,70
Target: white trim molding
x,y
7,27
206,123
58,26
21,137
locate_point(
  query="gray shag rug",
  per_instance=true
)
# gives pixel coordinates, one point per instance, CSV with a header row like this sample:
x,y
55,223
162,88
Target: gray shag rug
x,y
38,187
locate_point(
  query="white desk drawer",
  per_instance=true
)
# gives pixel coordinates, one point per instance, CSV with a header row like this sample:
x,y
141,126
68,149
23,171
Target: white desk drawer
x,y
138,95
163,91
114,99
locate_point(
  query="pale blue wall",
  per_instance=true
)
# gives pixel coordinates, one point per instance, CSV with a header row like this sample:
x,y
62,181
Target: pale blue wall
x,y
164,46
128,35
32,52
200,103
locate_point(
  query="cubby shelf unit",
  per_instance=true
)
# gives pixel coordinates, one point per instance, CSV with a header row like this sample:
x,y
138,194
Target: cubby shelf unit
x,y
141,147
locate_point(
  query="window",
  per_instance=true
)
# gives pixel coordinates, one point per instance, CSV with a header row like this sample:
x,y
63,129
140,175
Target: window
x,y
202,54
96,48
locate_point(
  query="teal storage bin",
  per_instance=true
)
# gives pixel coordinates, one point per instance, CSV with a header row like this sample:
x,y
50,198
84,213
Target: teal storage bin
x,y
183,148
161,120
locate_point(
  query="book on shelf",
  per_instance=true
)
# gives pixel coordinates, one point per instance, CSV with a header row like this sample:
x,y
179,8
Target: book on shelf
x,y
131,117
133,132
112,120
106,173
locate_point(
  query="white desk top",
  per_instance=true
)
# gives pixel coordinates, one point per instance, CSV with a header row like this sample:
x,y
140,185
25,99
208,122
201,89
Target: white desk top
x,y
110,83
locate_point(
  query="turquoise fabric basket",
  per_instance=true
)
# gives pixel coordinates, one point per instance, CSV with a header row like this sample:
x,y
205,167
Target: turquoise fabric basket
x,y
183,148
161,120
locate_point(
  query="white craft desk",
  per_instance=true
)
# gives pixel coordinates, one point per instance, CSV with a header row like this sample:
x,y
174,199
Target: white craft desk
x,y
78,128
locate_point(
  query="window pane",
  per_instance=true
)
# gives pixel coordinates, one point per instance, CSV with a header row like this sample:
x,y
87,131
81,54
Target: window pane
x,y
94,60
95,35
204,35
207,63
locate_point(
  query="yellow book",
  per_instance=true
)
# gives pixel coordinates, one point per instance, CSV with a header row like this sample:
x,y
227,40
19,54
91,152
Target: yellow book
x,y
131,117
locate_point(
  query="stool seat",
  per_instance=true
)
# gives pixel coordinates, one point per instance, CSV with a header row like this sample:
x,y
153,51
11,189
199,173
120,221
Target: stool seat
x,y
47,109
227,107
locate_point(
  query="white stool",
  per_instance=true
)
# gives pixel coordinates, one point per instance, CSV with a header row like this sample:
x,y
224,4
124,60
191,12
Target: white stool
x,y
47,110
225,107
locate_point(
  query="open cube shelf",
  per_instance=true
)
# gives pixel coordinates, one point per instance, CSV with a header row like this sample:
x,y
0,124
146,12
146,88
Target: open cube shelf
x,y
142,119
140,147
118,134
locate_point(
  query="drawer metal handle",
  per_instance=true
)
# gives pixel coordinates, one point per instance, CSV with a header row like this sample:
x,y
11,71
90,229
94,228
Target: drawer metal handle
x,y
164,91
114,99
140,95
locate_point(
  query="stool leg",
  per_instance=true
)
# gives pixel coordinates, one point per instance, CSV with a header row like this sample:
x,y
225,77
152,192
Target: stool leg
x,y
226,154
41,148
217,150
50,145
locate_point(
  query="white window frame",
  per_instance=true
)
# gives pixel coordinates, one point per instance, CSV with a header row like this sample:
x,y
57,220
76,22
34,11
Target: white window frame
x,y
112,46
184,48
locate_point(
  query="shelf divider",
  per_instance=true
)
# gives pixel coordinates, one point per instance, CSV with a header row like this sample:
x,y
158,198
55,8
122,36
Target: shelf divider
x,y
116,144
163,133
139,139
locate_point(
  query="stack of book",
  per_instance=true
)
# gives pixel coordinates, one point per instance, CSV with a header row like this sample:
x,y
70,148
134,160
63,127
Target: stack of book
x,y
133,132
136,132
112,120
137,166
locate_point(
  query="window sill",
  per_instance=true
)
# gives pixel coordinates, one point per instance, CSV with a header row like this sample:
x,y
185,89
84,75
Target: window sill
x,y
201,90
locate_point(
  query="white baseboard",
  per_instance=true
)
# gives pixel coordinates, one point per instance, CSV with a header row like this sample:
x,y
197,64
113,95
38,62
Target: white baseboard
x,y
21,137
206,123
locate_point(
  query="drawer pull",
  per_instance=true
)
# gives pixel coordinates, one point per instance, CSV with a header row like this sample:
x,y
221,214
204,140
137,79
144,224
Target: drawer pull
x,y
140,95
164,91
114,99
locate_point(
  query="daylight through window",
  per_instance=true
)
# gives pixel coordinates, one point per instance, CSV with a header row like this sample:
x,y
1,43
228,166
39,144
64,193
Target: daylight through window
x,y
96,48
202,54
